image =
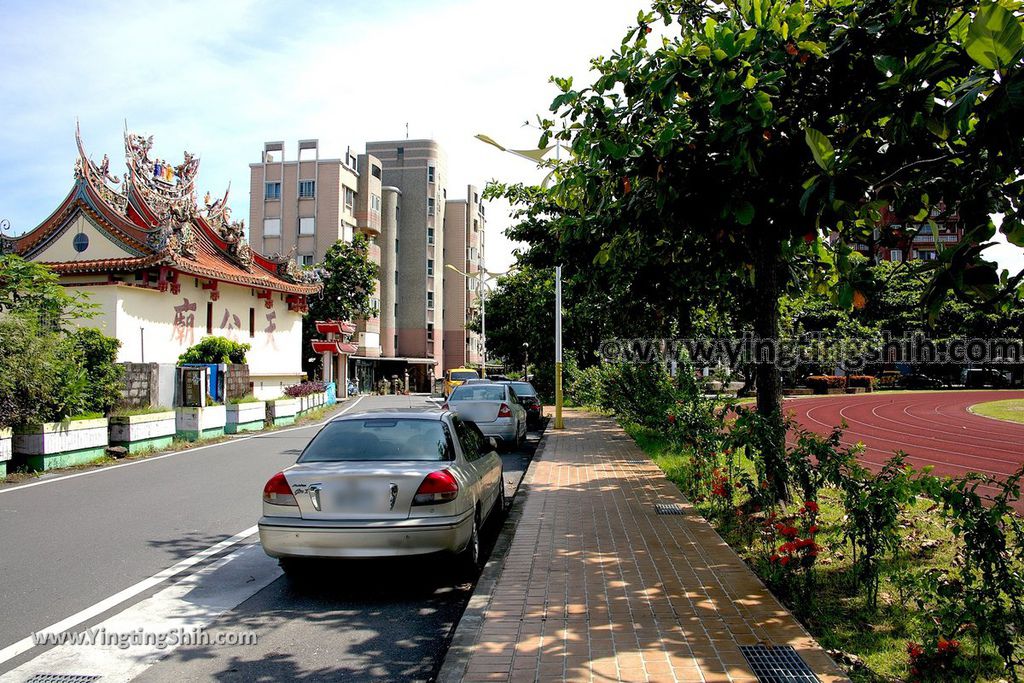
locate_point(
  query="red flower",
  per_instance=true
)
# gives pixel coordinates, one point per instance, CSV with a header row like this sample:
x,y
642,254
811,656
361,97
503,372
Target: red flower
x,y
914,650
784,560
791,49
811,506
671,419
950,646
813,529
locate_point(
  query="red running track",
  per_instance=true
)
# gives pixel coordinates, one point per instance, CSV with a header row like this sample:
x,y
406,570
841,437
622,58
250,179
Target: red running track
x,y
933,428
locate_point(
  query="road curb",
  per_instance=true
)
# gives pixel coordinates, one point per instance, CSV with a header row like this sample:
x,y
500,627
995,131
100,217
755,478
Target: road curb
x,y
456,659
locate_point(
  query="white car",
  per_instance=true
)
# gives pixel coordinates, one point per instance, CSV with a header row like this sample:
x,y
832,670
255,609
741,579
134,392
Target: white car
x,y
493,407
384,484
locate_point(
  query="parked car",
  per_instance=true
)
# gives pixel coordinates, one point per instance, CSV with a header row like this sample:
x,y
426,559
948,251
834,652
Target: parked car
x,y
528,397
493,407
456,376
384,484
980,378
919,381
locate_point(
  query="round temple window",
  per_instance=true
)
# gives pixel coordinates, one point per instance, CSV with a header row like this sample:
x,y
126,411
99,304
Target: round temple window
x,y
81,242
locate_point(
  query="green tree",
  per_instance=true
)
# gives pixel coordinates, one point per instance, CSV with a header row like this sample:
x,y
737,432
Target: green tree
x,y
215,350
348,277
32,288
42,378
727,147
98,354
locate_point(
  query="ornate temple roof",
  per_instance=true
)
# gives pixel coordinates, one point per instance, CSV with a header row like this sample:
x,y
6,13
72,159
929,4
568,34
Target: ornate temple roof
x,y
152,215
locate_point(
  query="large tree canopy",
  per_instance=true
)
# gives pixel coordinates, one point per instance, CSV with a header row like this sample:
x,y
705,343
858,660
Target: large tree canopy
x,y
743,147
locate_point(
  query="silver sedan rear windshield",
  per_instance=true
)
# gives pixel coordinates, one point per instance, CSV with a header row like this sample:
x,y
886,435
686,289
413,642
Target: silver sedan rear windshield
x,y
478,392
379,439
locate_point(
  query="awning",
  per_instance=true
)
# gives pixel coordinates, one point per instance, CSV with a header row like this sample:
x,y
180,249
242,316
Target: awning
x,y
411,361
333,347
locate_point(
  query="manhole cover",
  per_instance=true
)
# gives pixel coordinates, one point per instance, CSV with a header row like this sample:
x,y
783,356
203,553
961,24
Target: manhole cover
x,y
777,664
669,509
63,678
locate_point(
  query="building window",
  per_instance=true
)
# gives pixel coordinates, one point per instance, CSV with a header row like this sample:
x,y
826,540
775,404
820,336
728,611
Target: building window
x,y
307,259
350,198
430,266
252,323
476,225
271,227
272,190
430,331
896,255
307,225
430,206
430,300
430,235
375,171
209,317
396,246
307,189
375,203
431,173
401,154
476,198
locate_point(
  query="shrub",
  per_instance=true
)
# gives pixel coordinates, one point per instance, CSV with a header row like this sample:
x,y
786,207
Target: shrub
x,y
41,374
98,353
866,381
305,389
584,386
821,383
215,350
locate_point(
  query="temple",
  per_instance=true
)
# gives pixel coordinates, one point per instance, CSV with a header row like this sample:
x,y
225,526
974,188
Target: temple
x,y
166,271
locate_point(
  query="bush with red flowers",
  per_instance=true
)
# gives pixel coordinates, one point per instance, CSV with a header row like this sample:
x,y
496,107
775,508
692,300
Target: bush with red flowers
x,y
937,661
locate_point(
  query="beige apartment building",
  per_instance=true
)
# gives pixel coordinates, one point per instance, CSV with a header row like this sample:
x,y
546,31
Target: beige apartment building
x,y
463,248
395,193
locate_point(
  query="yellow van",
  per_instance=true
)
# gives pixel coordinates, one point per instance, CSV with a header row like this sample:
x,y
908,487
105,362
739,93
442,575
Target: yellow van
x,y
456,376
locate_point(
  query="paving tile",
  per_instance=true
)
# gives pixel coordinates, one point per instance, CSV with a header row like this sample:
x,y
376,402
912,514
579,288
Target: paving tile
x,y
596,587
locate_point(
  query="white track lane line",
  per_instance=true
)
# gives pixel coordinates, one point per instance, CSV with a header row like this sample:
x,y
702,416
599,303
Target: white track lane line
x,y
27,643
101,470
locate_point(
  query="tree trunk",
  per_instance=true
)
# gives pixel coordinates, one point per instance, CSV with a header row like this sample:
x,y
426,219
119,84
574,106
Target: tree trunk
x,y
768,267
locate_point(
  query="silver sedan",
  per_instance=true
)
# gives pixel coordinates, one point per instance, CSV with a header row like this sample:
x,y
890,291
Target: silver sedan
x,y
493,407
385,484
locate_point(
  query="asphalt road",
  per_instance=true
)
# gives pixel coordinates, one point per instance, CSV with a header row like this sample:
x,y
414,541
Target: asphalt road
x,y
72,542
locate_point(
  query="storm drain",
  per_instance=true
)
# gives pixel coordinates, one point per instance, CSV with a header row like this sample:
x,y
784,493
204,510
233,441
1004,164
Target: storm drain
x,y
643,461
669,509
777,664
63,678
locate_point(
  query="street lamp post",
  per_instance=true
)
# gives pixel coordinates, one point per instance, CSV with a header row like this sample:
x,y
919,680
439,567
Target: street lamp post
x,y
537,156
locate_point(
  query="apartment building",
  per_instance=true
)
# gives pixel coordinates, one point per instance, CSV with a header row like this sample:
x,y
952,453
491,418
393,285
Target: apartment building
x,y
914,240
308,203
464,248
395,193
419,171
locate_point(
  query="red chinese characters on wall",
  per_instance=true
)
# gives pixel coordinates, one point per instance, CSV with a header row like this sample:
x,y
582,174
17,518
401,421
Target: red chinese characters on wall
x,y
231,324
269,331
183,325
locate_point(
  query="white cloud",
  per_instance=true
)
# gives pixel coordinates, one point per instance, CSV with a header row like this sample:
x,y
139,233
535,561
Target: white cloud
x,y
221,79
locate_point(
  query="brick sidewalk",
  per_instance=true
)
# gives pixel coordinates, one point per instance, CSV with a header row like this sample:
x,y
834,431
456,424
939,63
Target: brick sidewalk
x,y
596,587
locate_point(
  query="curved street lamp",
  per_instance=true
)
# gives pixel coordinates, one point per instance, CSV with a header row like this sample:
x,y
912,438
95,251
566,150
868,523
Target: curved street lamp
x,y
537,156
481,277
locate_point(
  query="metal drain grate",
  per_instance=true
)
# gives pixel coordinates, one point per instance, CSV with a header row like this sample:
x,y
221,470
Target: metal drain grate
x,y
636,462
63,678
669,509
777,664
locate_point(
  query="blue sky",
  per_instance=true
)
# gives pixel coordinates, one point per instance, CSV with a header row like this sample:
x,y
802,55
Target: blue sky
x,y
221,78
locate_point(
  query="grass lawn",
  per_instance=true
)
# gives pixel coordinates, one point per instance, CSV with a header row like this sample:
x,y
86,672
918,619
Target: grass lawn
x,y
1011,410
837,613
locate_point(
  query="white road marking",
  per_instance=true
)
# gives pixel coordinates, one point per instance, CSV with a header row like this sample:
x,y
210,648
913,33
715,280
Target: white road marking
x,y
26,644
190,604
101,470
